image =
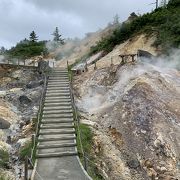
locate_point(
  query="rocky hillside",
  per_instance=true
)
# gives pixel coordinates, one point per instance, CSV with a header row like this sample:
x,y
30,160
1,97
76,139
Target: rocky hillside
x,y
132,109
20,92
134,112
75,50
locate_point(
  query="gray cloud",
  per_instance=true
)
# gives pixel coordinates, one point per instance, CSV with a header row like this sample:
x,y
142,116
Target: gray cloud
x,y
73,17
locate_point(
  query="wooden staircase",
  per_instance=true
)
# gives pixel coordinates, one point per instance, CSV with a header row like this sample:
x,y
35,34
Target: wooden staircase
x,y
57,132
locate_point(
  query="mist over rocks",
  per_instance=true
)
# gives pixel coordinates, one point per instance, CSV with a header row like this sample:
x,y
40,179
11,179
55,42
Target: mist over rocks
x,y
137,107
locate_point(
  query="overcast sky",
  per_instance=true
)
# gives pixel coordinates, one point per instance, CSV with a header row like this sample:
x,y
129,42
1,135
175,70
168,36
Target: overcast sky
x,y
73,17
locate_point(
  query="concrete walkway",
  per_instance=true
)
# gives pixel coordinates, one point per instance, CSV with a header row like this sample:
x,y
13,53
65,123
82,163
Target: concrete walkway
x,y
57,157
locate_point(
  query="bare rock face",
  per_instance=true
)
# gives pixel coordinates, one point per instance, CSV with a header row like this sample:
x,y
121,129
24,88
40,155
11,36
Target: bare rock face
x,y
137,109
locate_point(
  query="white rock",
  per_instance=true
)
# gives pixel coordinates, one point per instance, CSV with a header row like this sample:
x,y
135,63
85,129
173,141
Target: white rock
x,y
2,93
163,169
16,74
23,141
15,89
4,146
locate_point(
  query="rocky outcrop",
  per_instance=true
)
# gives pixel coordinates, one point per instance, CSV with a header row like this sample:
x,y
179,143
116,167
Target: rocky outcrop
x,y
144,54
19,97
34,84
24,100
136,109
4,124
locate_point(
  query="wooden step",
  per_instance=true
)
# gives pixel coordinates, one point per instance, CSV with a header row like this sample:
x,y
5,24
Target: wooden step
x,y
55,131
57,111
56,138
48,104
61,108
62,154
57,121
39,146
55,116
55,126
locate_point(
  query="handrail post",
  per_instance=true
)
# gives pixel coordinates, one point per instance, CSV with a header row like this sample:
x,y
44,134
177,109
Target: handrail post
x,y
34,136
111,61
86,67
33,143
26,169
67,64
95,66
85,162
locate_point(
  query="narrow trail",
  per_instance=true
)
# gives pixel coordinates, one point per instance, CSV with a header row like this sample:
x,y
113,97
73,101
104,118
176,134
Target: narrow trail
x,y
57,156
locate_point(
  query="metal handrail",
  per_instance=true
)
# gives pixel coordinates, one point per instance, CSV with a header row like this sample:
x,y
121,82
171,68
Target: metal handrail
x,y
41,103
17,63
77,120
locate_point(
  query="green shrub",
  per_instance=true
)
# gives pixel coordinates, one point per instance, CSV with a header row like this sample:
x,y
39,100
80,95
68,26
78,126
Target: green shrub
x,y
4,158
3,176
87,143
165,22
27,49
86,138
25,150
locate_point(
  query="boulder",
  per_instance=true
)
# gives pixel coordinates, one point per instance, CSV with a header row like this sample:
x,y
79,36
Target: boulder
x,y
22,142
24,100
134,163
34,84
2,93
4,124
145,54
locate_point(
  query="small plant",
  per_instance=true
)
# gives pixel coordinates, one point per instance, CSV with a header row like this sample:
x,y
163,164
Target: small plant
x,y
3,176
4,158
86,136
25,150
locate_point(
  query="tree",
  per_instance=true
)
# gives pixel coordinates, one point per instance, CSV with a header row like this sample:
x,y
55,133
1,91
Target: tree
x,y
33,37
116,19
164,3
2,50
57,37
